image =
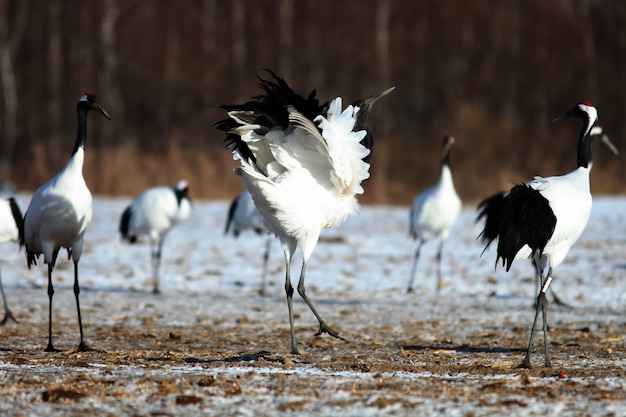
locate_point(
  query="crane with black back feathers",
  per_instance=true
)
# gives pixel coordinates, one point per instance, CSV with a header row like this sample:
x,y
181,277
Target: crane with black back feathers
x,y
489,209
303,163
544,218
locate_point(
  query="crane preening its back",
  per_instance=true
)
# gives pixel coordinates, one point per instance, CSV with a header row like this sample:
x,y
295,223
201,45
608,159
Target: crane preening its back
x,y
303,163
243,215
544,218
153,213
59,213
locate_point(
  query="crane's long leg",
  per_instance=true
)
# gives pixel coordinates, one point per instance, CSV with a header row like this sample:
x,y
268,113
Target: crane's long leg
x,y
266,258
156,249
82,346
414,266
8,315
289,292
324,328
556,298
439,266
50,347
542,304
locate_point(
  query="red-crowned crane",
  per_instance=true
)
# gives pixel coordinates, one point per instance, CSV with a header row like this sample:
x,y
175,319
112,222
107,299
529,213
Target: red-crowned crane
x,y
489,209
11,224
243,215
303,162
153,214
59,213
544,218
434,212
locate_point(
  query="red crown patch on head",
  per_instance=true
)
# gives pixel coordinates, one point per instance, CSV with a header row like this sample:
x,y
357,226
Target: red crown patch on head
x,y
586,103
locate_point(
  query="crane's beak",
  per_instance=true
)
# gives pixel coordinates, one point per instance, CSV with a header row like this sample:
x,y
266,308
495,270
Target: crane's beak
x,y
373,99
605,139
564,116
100,110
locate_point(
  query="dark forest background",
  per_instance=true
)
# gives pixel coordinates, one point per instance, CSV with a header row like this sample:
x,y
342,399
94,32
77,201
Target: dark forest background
x,y
491,73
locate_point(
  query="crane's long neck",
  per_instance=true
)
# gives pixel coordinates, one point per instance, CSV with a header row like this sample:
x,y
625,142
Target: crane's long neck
x,y
81,135
584,143
445,178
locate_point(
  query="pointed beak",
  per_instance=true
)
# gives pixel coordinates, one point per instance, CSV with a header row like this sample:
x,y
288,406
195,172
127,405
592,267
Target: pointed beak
x,y
605,139
564,116
375,97
100,110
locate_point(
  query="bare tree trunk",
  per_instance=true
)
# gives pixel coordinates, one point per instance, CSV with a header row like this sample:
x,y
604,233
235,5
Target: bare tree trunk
x,y
209,45
286,38
381,158
171,65
238,27
54,77
9,43
110,14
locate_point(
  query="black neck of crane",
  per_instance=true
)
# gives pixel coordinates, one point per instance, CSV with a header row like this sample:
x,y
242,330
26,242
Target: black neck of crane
x,y
584,144
81,135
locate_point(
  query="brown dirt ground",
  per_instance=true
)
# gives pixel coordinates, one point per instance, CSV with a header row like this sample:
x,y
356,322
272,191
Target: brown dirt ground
x,y
156,354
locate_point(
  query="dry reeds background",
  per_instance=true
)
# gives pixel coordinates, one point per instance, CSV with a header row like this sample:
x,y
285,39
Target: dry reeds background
x,y
493,74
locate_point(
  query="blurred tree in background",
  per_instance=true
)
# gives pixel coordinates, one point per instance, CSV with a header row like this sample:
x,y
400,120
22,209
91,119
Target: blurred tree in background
x,y
491,73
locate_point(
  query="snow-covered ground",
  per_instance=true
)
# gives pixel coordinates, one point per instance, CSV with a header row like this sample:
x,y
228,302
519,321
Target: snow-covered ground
x,y
367,259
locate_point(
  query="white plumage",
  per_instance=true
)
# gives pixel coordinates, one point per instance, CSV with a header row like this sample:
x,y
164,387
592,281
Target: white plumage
x,y
243,215
59,213
434,213
303,164
11,222
153,214
544,218
490,206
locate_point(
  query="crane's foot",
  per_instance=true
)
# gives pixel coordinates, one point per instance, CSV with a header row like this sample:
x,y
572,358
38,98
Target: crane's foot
x,y
8,316
51,348
82,347
409,290
525,364
324,328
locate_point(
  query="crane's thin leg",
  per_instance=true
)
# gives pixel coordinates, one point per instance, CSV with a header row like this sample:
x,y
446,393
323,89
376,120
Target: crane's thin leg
x,y
156,249
8,315
556,298
266,258
324,328
542,304
289,292
82,346
50,347
414,267
439,282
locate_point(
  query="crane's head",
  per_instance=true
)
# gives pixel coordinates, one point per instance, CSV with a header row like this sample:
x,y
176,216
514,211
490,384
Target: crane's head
x,y
584,111
88,102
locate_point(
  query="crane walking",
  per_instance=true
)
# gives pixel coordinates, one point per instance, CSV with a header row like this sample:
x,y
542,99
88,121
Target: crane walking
x,y
434,212
544,218
490,208
59,213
